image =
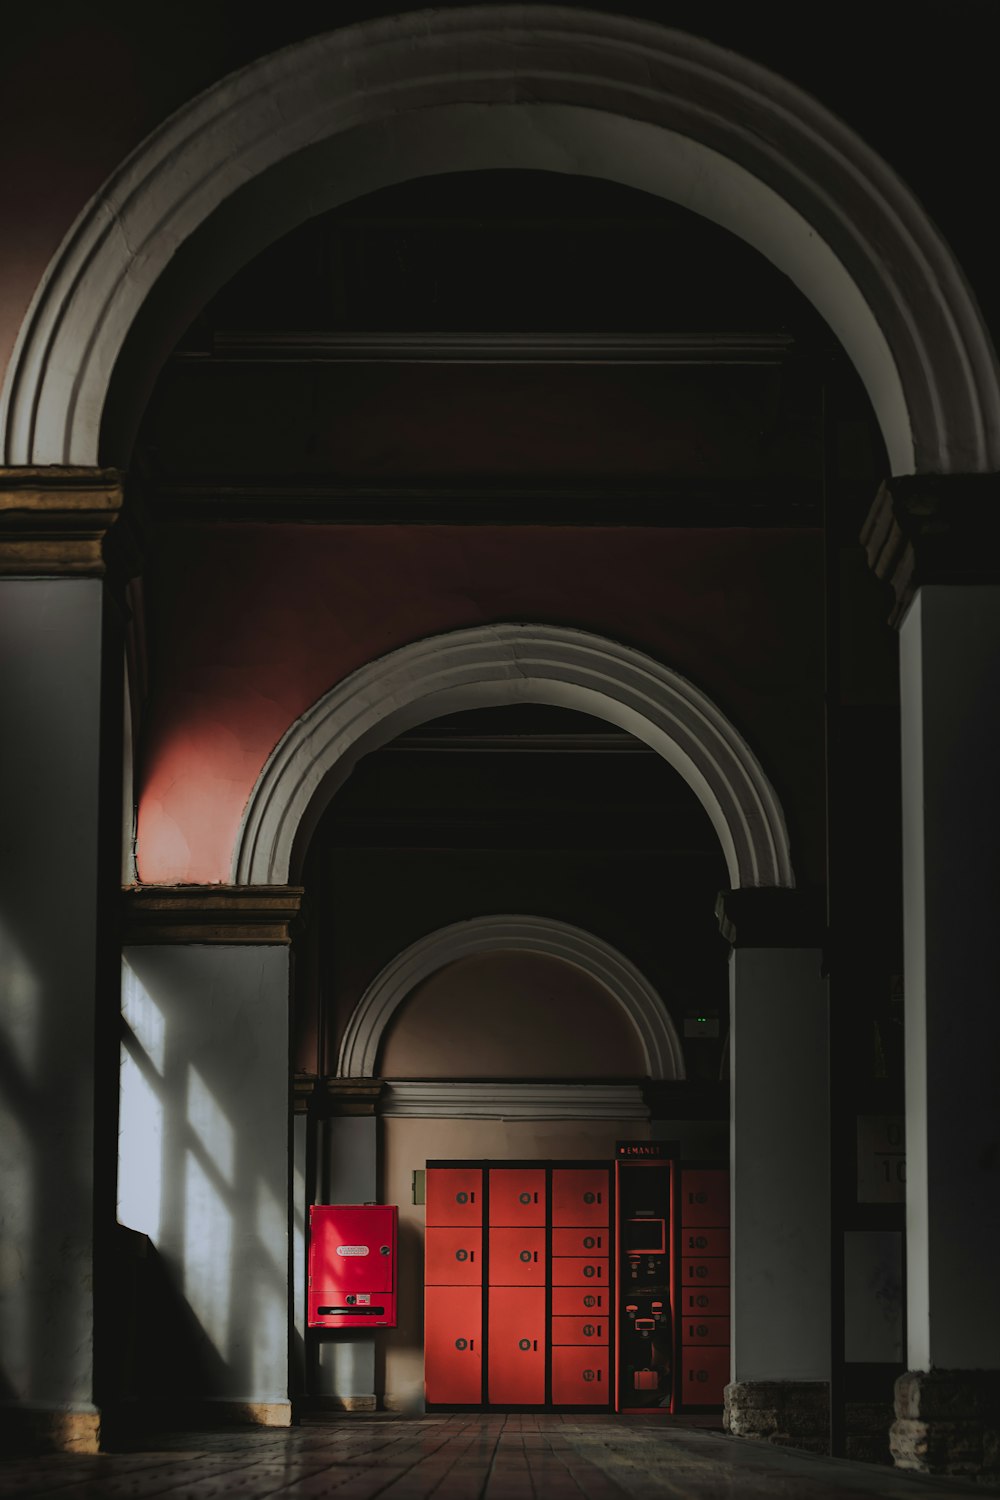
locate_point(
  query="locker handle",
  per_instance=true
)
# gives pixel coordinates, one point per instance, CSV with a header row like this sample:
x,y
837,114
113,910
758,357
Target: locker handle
x,y
536,1252
472,1344
536,1197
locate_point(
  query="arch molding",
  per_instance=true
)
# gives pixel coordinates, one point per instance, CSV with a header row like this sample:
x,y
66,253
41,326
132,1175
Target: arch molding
x,y
661,1049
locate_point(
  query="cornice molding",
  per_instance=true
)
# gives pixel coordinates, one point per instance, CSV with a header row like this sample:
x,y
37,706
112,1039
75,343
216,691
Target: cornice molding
x,y
253,915
514,1101
241,346
67,522
935,528
762,917
329,502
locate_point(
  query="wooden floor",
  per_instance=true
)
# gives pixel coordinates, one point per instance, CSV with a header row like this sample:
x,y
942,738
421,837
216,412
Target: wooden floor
x,y
465,1458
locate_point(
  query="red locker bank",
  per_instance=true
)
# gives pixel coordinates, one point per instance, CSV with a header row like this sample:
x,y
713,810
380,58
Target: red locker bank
x,y
518,1284
352,1265
576,1285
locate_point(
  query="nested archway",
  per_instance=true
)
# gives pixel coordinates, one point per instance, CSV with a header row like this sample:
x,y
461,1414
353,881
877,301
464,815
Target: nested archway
x,y
632,992
496,664
540,86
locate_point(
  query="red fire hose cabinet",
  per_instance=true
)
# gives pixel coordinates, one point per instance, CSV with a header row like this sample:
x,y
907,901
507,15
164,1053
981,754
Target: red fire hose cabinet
x,y
352,1265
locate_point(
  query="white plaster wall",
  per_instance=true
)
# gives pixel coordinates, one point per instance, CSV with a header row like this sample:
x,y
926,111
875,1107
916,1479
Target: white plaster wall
x,y
780,1165
50,650
50,690
950,682
204,1149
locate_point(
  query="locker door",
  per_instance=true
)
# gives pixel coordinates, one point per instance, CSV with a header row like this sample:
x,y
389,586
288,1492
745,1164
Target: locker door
x,y
712,1271
592,1241
453,1325
580,1195
567,1270
516,1360
517,1257
704,1375
517,1195
703,1302
454,1195
579,1376
699,1242
705,1196
453,1257
580,1301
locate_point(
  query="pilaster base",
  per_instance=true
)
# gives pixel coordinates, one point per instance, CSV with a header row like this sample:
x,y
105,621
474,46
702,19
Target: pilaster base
x,y
789,1413
25,1429
948,1422
866,1431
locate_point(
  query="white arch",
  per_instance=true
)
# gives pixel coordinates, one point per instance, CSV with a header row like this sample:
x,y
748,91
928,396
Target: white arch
x,y
341,114
494,664
661,1049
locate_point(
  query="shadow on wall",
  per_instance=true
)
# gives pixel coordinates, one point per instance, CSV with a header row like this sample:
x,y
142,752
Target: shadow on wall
x,y
203,1154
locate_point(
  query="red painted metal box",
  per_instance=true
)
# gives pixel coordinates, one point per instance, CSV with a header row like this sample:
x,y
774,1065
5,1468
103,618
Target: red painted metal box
x,y
352,1265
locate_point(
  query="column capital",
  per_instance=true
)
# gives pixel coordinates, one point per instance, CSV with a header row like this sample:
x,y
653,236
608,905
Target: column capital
x,y
232,914
62,522
933,528
351,1096
771,917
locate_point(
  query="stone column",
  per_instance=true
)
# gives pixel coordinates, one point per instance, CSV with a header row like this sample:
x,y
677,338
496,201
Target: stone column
x,y
936,543
57,689
780,1162
205,1138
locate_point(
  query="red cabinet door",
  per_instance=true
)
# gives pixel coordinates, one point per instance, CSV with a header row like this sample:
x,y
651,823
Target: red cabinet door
x,y
453,1257
454,1195
517,1257
581,1301
570,1270
516,1359
704,1375
517,1195
453,1326
579,1376
593,1330
705,1331
704,1196
703,1302
580,1195
699,1242
591,1241
713,1271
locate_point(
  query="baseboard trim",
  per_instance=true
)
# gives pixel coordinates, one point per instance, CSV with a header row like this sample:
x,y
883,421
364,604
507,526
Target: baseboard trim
x,y
152,1415
316,1405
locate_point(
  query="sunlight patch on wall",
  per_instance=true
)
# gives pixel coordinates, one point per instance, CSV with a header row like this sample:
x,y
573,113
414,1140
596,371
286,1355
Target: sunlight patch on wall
x,y
140,1109
144,1017
140,1150
209,1123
